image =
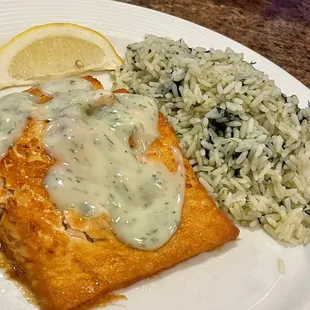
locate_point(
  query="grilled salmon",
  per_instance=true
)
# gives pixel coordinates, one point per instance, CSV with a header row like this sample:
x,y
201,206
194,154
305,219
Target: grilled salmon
x,y
68,259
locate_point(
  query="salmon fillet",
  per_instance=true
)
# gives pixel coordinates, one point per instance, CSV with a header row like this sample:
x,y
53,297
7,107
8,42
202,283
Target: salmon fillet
x,y
67,259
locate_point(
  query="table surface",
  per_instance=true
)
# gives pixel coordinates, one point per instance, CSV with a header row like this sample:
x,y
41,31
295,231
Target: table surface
x,y
278,29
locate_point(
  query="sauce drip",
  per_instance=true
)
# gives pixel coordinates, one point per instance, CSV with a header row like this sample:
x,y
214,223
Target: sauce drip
x,y
97,170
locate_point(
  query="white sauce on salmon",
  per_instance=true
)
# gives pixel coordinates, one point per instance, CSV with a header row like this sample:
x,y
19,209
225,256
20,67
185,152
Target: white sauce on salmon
x,y
97,170
14,111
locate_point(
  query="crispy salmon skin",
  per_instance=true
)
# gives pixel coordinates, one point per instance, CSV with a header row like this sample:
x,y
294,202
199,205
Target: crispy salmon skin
x,y
68,260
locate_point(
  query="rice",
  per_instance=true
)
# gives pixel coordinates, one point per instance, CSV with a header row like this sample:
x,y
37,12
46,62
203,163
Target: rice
x,y
248,143
281,265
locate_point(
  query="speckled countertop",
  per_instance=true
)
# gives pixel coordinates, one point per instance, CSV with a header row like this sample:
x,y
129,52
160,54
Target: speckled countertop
x,y
278,29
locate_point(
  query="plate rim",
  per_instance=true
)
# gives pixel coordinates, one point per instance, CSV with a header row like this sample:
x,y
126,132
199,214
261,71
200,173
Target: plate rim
x,y
201,28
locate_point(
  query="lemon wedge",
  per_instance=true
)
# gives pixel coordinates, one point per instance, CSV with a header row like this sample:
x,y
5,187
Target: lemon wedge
x,y
54,51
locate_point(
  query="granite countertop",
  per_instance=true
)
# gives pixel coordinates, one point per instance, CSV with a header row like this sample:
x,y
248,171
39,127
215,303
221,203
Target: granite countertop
x,y
278,29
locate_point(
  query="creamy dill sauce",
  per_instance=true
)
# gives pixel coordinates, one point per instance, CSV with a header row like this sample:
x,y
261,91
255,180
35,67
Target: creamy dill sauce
x,y
97,170
65,86
14,110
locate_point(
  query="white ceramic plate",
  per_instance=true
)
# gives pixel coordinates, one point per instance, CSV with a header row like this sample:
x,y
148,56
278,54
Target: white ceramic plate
x,y
242,275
